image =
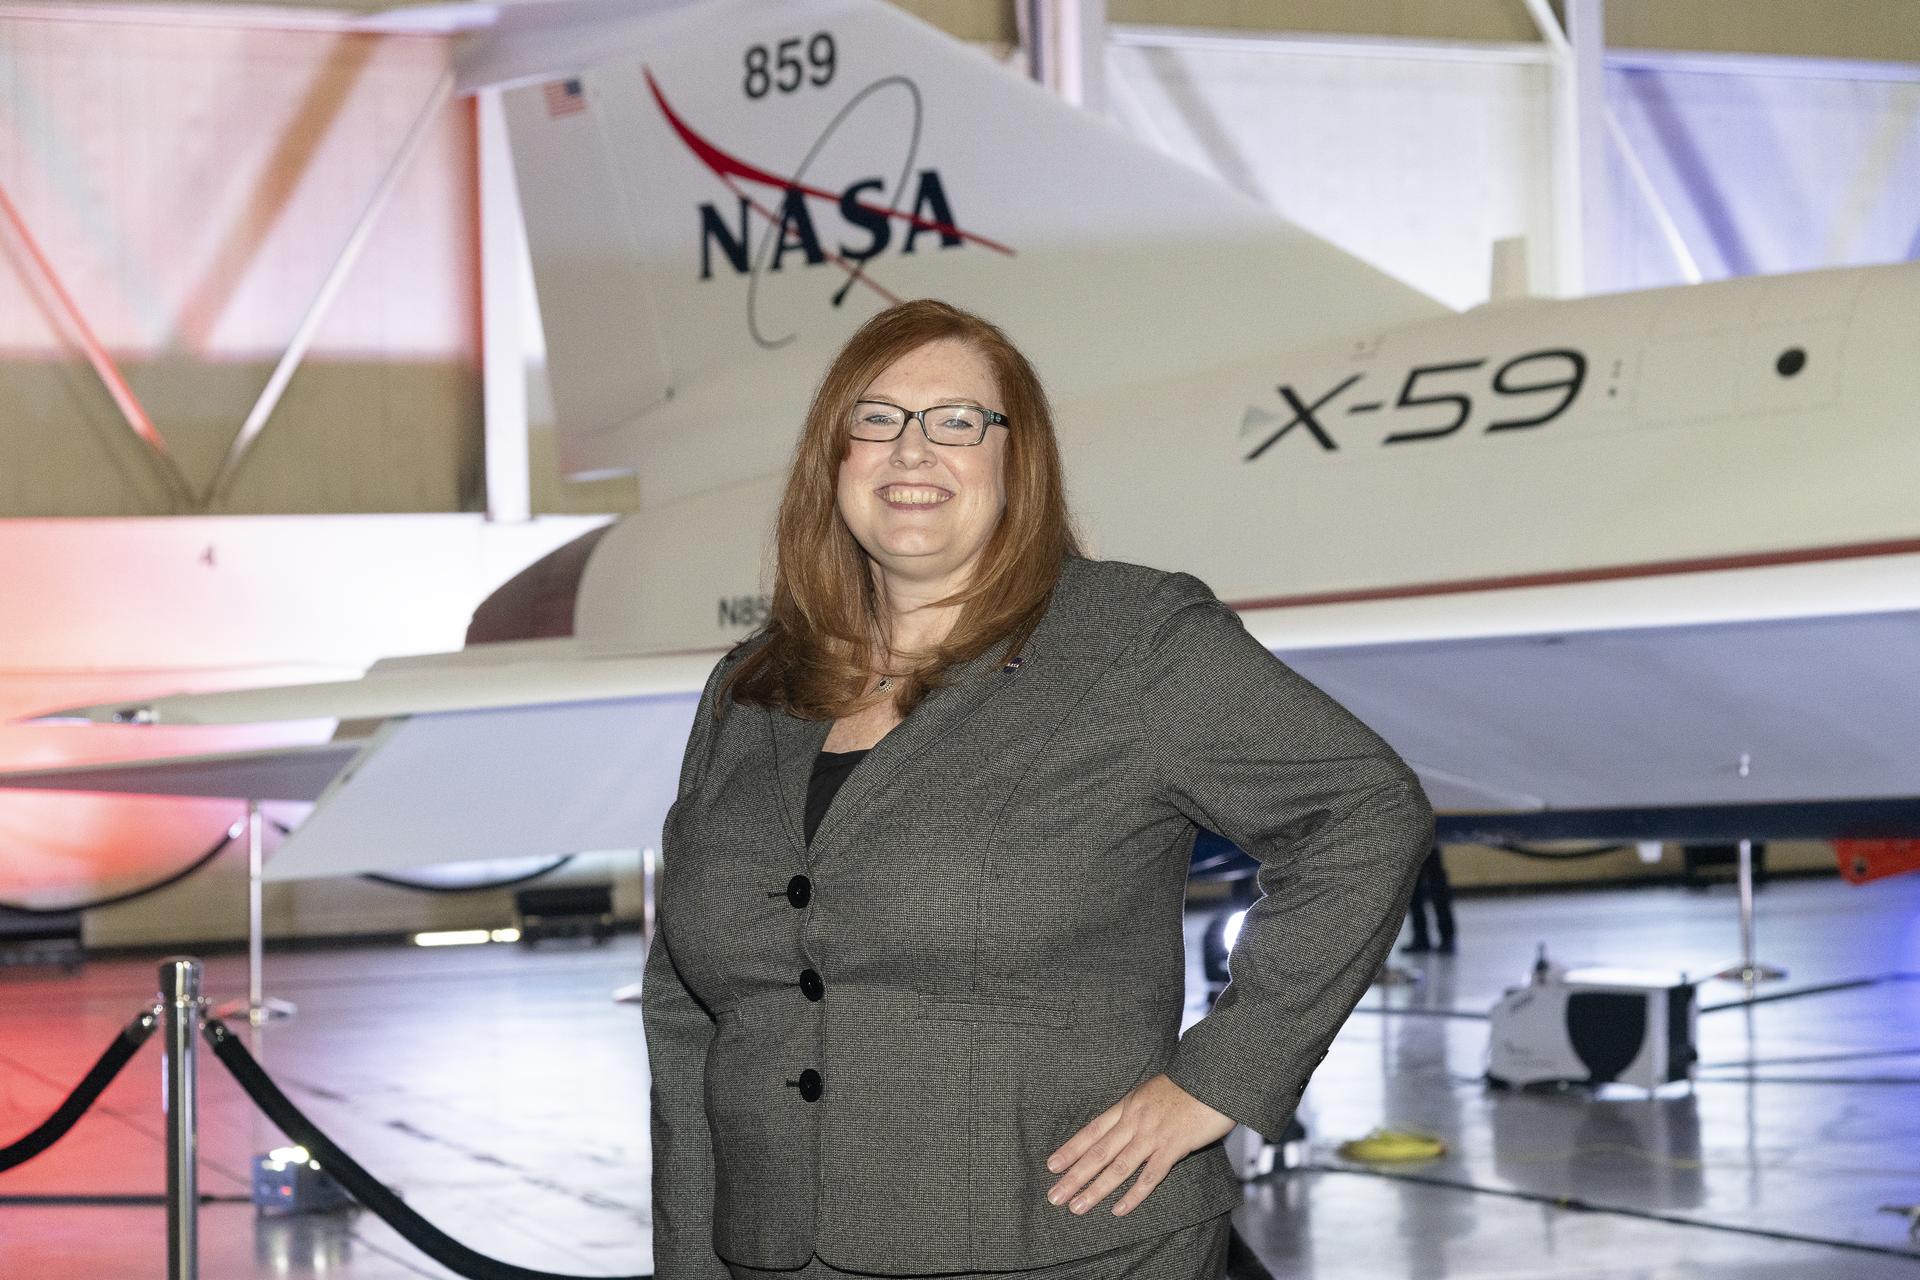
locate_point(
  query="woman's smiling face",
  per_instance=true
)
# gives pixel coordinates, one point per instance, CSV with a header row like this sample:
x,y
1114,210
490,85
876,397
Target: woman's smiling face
x,y
924,511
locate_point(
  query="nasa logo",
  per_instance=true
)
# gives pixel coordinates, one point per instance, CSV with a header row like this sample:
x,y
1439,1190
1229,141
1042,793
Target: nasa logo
x,y
792,218
795,231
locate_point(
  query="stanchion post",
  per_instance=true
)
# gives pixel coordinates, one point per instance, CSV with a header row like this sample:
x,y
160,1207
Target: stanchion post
x,y
258,1008
1749,971
180,1006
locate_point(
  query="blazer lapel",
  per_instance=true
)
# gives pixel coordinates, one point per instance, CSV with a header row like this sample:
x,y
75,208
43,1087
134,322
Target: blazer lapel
x,y
939,713
795,744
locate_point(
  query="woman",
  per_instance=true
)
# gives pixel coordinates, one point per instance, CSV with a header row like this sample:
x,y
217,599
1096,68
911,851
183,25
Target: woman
x,y
914,1004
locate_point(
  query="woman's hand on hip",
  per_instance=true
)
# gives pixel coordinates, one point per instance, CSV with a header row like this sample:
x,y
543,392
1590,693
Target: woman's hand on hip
x,y
1154,1125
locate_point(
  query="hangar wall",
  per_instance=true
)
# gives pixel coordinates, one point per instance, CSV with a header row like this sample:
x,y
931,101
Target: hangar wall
x,y
1765,166
1419,158
1415,161
1881,29
191,185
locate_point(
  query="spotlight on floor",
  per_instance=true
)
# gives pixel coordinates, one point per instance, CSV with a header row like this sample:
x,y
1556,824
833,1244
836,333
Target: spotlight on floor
x,y
288,1180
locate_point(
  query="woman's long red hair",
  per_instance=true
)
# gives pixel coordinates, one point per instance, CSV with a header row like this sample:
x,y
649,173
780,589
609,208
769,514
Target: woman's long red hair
x,y
825,629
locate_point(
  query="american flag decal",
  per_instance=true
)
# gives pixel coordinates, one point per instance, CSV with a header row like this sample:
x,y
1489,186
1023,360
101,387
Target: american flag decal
x,y
564,98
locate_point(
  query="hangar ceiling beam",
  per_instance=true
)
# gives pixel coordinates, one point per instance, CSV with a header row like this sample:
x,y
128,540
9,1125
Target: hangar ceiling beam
x,y
1587,45
503,366
1066,49
1583,126
1579,104
309,326
1663,219
131,410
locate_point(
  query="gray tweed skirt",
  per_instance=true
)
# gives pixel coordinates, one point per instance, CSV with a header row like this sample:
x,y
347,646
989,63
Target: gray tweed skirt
x,y
1198,1252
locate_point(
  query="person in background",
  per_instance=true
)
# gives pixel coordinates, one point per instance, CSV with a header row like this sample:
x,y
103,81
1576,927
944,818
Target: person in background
x,y
1431,889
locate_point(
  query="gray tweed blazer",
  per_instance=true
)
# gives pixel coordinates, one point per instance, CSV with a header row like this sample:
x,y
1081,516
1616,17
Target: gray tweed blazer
x,y
866,1049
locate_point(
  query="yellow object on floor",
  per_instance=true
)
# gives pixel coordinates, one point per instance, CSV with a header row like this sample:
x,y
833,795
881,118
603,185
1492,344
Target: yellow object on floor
x,y
1391,1146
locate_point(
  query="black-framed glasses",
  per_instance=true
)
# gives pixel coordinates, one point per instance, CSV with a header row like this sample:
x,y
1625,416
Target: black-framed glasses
x,y
950,424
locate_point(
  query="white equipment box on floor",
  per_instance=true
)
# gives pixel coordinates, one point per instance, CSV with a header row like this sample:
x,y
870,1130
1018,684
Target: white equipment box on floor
x,y
1594,1026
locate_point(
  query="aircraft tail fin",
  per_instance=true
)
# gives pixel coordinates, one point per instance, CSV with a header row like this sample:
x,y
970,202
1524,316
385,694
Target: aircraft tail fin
x,y
729,189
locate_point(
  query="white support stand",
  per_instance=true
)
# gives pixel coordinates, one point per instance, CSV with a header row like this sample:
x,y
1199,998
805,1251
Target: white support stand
x,y
1749,971
258,1008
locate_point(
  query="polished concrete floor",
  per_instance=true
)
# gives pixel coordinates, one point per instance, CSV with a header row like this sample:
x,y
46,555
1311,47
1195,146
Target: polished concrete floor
x,y
502,1093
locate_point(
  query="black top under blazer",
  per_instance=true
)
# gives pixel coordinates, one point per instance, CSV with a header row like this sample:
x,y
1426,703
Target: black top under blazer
x,y
866,1048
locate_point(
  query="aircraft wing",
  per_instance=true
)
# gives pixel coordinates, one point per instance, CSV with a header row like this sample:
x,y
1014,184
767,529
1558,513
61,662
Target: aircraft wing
x,y
1781,728
476,757
526,673
524,780
300,772
1706,723
531,780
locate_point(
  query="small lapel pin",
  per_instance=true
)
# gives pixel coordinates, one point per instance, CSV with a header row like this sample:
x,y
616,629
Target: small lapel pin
x,y
1013,663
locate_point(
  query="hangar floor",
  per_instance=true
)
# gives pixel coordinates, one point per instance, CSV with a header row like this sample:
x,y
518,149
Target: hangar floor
x,y
500,1091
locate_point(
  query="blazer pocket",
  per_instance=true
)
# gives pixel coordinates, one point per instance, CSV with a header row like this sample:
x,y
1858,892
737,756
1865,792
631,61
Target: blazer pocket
x,y
996,1009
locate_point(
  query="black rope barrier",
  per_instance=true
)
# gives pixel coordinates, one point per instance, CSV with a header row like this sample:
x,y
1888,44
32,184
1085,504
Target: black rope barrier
x,y
1905,1082
84,1094
1796,993
115,899
357,1182
1577,1205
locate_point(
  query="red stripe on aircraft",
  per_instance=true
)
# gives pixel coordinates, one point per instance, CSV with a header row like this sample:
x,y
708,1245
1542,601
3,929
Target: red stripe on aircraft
x,y
1658,568
724,166
1760,560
